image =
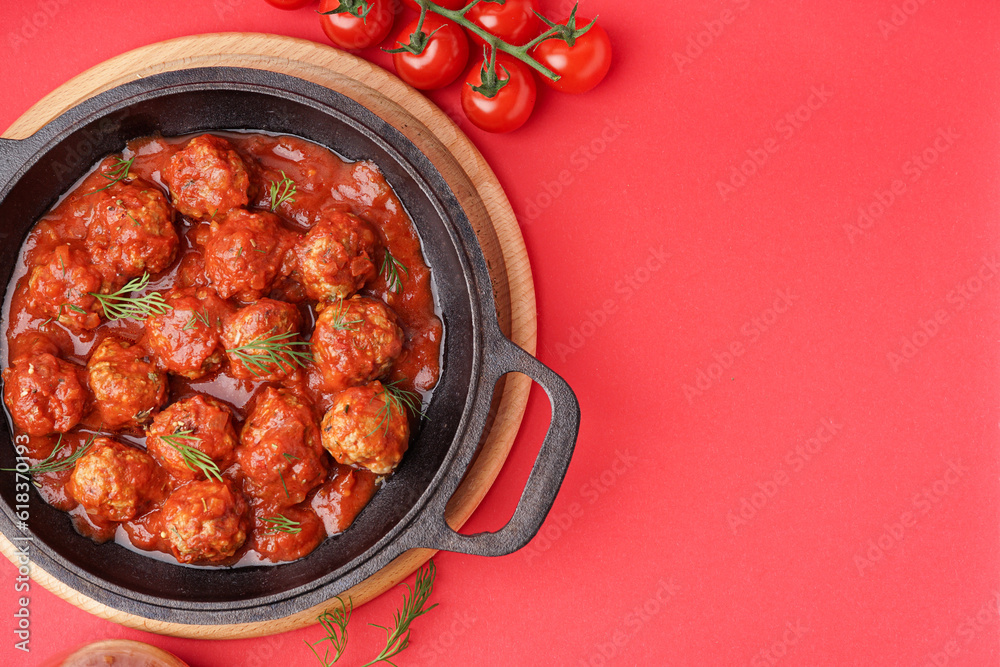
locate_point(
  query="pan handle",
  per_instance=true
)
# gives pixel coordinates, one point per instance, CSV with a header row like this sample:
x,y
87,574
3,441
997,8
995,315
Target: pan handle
x,y
503,356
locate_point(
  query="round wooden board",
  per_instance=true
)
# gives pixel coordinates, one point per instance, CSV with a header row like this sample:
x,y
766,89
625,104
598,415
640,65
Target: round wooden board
x,y
462,166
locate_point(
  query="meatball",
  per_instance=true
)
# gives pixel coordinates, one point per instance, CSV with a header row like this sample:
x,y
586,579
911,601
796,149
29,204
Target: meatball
x,y
355,342
126,385
289,534
205,522
367,428
131,232
188,339
342,497
43,392
200,423
280,451
30,343
115,482
207,178
61,287
336,257
246,252
264,323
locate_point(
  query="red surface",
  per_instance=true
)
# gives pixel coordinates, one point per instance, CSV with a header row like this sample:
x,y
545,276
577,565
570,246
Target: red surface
x,y
647,278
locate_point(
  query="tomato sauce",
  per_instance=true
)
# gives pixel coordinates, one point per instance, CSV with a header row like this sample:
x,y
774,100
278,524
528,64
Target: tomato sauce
x,y
322,181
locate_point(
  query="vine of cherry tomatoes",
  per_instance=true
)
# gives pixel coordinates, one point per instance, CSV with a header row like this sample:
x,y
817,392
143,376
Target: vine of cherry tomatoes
x,y
516,43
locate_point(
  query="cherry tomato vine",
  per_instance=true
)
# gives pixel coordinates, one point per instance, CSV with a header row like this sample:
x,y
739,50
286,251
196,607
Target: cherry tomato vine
x,y
571,56
492,83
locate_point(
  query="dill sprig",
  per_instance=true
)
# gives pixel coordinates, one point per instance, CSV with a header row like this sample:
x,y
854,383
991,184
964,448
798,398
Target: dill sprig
x,y
334,621
398,637
119,305
119,172
194,458
50,464
263,354
390,269
62,310
395,399
402,399
282,191
196,317
340,323
282,523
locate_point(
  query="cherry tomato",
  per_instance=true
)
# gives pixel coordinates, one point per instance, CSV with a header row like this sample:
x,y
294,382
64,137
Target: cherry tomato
x,y
288,4
441,61
447,4
352,32
581,66
509,108
514,21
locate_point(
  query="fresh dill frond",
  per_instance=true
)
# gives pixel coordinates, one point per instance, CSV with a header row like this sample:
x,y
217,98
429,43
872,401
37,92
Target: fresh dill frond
x,y
390,270
397,638
194,458
262,355
119,172
283,524
281,192
334,621
50,464
340,323
120,305
196,317
396,399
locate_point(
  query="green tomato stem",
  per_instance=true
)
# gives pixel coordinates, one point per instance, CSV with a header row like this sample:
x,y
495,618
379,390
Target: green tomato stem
x,y
496,44
420,21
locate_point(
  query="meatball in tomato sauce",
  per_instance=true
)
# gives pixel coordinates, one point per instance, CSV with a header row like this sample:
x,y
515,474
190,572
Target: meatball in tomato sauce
x,y
131,232
367,428
246,252
207,178
115,482
42,391
261,340
342,497
62,286
336,257
287,535
280,451
205,522
200,423
187,339
127,387
355,341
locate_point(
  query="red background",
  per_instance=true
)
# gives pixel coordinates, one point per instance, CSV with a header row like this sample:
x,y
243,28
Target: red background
x,y
692,529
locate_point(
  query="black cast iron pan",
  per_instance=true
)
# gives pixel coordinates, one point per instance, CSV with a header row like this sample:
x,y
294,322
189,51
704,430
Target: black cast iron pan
x,y
409,511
